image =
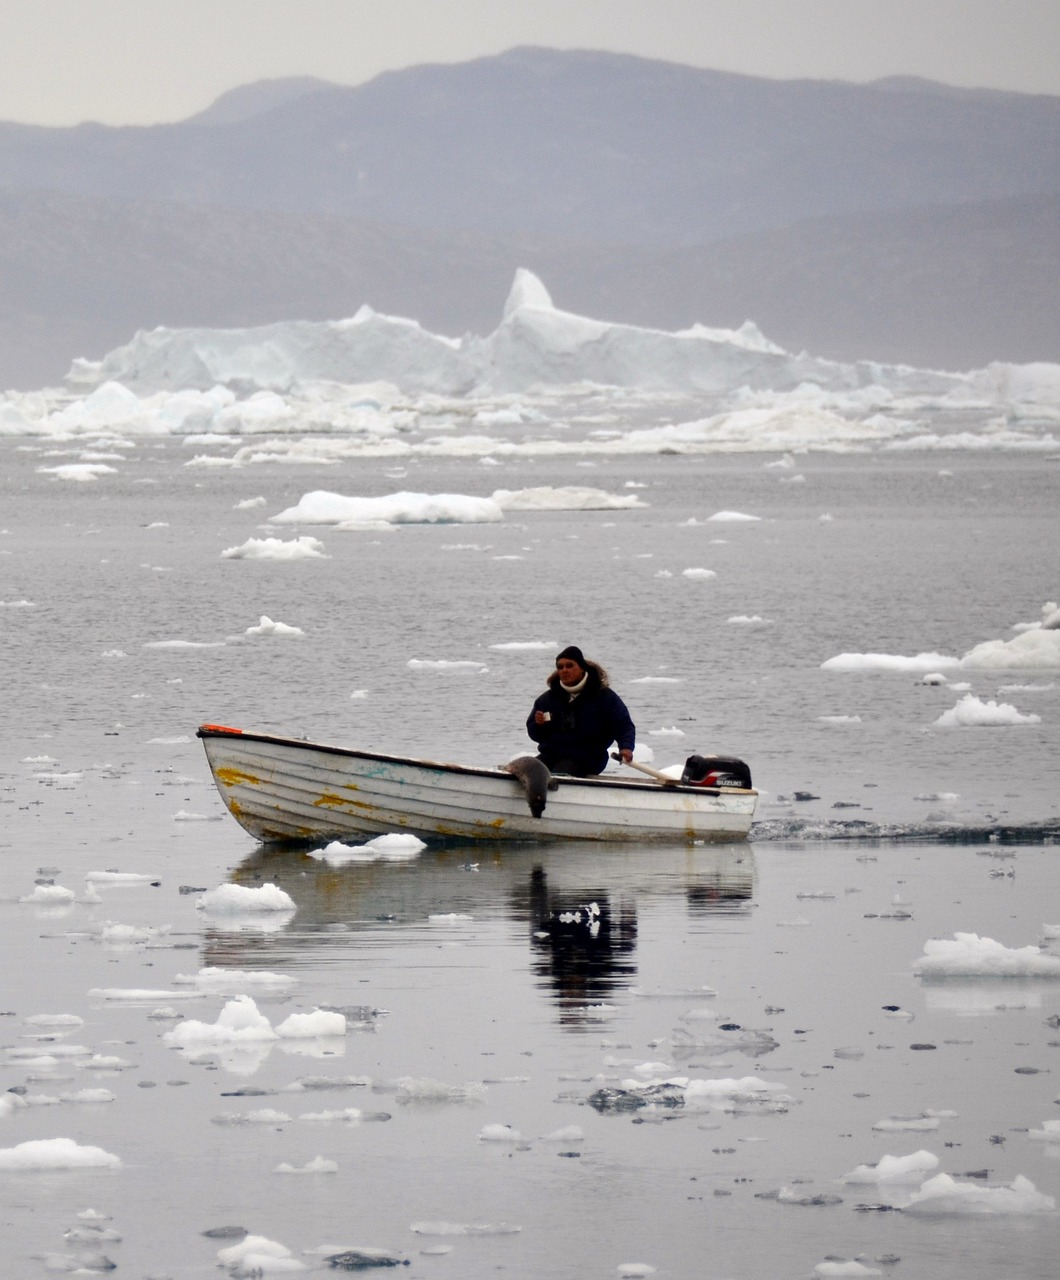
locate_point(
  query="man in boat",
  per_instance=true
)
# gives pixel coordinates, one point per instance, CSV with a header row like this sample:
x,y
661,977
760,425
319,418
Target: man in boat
x,y
578,717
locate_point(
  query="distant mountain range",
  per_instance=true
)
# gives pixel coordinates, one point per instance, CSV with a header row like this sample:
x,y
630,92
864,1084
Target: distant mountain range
x,y
901,220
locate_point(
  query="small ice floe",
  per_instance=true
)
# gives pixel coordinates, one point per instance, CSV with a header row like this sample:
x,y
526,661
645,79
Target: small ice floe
x,y
943,1196
932,678
184,815
258,1256
894,1170
630,1269
137,995
394,846
87,1096
698,573
49,895
238,899
922,1123
887,662
10,1102
316,1165
239,1021
501,1133
731,517
749,620
463,1229
303,548
457,666
119,878
55,1153
807,1199
450,917
419,1089
973,711
266,627
265,1115
839,719
320,1023
969,955
567,498
82,472
54,1020
248,504
341,1115
896,1011
519,646
323,507
672,732
1049,1132
117,935
234,981
569,1133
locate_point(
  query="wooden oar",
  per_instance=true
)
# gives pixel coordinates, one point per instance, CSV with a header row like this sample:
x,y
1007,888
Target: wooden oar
x,y
664,778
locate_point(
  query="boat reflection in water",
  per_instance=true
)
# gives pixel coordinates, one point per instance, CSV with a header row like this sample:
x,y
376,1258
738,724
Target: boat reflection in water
x,y
577,904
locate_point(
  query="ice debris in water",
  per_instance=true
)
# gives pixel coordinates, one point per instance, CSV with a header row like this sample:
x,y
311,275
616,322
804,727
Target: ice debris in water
x,y
394,846
894,1169
238,898
968,955
55,1153
943,1195
213,978
303,548
841,1270
463,1229
266,627
316,1165
49,895
414,1089
240,1020
971,710
1049,1132
257,1256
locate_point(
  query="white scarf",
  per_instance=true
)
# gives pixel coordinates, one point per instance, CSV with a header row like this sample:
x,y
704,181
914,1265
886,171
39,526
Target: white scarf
x,y
572,690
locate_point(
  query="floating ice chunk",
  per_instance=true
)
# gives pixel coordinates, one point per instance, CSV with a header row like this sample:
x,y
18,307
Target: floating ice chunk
x,y
1035,650
118,877
54,1020
49,895
266,627
635,1269
130,934
932,678
570,1133
500,1133
236,899
258,1256
81,472
248,504
698,573
441,664
303,548
238,1021
974,711
943,1195
749,620
672,732
969,955
185,644
347,1115
463,1229
450,917
894,1169
526,645
415,1089
216,979
320,1022
55,1153
569,498
922,1123
316,1165
839,719
887,662
394,846
87,1096
323,507
732,517
1049,1132
10,1102
138,994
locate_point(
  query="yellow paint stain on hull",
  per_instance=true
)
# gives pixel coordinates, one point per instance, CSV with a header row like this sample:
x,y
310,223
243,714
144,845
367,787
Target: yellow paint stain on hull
x,y
233,777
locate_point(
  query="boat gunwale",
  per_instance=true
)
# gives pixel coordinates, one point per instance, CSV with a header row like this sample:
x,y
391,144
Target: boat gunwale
x,y
224,732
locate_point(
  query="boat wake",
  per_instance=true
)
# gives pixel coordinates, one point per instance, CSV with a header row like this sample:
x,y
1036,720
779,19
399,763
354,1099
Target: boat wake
x,y
1047,832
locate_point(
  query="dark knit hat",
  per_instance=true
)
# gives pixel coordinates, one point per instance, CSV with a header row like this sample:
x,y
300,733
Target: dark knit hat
x,y
575,654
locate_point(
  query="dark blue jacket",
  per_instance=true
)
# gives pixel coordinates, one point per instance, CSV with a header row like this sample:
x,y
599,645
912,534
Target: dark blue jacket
x,y
581,729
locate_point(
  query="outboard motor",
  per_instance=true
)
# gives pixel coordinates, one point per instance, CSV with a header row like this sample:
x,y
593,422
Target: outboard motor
x,y
716,771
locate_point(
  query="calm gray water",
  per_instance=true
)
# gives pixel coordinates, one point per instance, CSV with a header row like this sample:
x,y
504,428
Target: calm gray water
x,y
802,933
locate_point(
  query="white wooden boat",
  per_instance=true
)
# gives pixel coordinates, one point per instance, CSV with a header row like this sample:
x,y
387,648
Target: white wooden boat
x,y
288,789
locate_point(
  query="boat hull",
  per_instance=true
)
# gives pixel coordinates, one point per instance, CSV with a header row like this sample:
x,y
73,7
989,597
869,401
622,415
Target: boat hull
x,y
289,790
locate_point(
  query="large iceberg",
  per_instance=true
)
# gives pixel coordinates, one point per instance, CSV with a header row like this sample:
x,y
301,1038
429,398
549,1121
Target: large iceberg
x,y
535,345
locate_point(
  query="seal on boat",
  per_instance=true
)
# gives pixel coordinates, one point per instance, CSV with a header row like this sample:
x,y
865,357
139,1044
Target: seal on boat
x,y
535,779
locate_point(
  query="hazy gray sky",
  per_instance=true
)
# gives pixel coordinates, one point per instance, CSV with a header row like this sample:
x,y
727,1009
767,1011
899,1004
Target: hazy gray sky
x,y
143,61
